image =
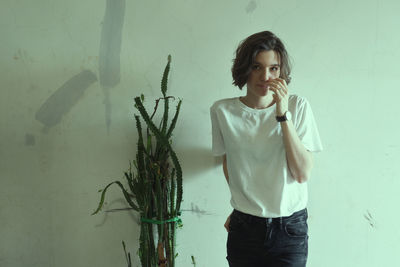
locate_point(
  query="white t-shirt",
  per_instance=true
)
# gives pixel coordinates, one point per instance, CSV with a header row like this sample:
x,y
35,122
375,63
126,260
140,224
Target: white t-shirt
x,y
259,179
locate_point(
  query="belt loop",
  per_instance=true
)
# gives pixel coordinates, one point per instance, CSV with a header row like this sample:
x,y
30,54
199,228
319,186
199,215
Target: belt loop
x,y
281,224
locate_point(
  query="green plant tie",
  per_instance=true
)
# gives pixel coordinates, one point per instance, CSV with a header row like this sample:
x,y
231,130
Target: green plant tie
x,y
175,219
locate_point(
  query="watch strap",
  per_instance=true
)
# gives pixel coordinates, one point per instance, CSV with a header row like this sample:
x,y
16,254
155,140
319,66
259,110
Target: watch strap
x,y
282,118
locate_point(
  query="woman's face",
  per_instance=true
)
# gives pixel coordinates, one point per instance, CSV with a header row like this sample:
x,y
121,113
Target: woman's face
x,y
265,68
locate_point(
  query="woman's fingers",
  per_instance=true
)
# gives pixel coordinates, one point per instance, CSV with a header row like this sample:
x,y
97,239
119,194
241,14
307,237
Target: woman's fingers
x,y
278,92
280,83
283,82
281,96
279,88
228,220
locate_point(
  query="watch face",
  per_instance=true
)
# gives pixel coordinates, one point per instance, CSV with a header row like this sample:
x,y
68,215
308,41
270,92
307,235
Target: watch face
x,y
288,115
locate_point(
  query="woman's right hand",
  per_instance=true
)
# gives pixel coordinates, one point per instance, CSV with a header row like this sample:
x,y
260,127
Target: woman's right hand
x,y
226,225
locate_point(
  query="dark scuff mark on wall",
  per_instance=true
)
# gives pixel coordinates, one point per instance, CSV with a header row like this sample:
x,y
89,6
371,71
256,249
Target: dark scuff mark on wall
x,y
64,98
110,51
29,140
23,55
195,209
370,219
252,5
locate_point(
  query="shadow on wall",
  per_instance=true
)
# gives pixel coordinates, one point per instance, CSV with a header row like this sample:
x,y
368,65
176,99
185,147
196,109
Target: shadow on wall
x,y
118,205
64,98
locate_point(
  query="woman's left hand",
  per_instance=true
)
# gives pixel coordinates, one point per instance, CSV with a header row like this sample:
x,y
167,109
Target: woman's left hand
x,y
281,95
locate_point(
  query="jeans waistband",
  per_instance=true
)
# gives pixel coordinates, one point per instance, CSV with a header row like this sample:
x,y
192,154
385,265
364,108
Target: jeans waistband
x,y
251,218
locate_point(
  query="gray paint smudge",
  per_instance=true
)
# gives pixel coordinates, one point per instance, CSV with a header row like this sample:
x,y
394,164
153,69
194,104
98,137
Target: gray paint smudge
x,y
251,6
64,98
29,140
107,107
110,46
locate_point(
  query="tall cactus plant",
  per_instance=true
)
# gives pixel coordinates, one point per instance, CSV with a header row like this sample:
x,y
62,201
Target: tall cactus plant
x,y
155,184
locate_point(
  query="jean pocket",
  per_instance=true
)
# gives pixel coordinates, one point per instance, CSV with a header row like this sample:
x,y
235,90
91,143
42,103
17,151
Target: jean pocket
x,y
297,228
236,223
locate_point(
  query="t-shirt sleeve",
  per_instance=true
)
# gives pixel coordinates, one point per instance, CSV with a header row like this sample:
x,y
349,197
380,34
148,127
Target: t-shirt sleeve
x,y
306,126
218,145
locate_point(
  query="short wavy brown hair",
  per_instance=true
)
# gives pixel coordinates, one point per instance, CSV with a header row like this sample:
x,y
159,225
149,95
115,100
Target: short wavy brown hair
x,y
248,50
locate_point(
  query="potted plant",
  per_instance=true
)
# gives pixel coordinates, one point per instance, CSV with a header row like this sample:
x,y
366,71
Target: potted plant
x,y
154,184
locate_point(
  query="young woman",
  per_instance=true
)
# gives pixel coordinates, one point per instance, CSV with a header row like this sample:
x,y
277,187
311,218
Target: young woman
x,y
266,139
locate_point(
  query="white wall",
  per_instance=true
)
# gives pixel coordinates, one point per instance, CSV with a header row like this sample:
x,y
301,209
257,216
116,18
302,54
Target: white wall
x,y
57,151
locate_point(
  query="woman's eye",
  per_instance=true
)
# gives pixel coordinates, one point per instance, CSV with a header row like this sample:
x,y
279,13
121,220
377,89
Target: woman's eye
x,y
256,67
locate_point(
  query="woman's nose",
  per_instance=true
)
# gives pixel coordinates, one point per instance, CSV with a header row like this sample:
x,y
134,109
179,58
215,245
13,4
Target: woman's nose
x,y
266,75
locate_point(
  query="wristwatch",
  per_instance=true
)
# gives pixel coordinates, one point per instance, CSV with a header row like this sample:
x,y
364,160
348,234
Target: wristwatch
x,y
286,117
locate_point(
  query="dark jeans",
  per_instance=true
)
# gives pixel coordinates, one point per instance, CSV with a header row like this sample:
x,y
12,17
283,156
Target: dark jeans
x,y
275,242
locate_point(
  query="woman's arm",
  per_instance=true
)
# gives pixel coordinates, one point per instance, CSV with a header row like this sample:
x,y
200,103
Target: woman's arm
x,y
299,159
225,168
